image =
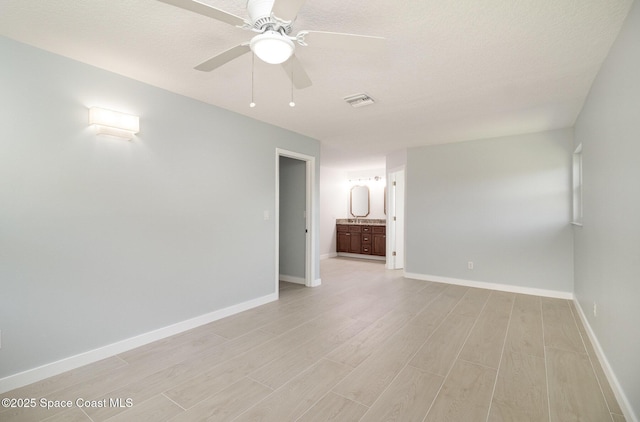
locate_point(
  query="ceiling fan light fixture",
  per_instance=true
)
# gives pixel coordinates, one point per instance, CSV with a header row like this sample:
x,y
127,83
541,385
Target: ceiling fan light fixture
x,y
272,47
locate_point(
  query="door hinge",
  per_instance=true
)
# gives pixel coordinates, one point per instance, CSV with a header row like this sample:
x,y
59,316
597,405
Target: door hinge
x,y
394,183
394,218
393,253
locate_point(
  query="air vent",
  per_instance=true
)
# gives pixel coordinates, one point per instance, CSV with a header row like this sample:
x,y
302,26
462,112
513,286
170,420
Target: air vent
x,y
359,100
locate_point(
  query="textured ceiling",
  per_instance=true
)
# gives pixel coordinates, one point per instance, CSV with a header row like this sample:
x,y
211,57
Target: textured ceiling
x,y
452,71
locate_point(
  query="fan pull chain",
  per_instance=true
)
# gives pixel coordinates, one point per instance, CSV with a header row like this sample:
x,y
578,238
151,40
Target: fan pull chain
x,y
252,104
292,103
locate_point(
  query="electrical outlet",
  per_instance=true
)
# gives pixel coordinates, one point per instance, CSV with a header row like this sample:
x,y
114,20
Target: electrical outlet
x,y
595,309
470,265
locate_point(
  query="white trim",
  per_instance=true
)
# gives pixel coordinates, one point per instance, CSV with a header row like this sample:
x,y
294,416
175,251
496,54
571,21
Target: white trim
x,y
623,401
328,255
316,282
362,256
493,286
576,187
310,250
292,279
54,368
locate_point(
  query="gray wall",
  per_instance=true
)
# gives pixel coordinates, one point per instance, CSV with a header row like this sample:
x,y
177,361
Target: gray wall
x,y
502,203
102,239
607,247
292,217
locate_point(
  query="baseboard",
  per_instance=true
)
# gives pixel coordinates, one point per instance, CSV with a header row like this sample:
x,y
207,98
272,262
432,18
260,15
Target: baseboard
x,y
493,286
54,368
292,279
362,256
328,255
299,280
623,401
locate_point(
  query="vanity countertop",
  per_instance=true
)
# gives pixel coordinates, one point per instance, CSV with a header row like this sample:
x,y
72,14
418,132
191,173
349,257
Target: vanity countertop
x,y
363,221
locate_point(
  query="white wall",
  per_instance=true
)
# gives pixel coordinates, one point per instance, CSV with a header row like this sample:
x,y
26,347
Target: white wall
x,y
333,191
102,239
502,203
607,247
396,160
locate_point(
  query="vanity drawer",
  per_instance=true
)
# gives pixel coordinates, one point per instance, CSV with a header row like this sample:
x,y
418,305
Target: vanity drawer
x,y
379,229
366,238
342,227
355,228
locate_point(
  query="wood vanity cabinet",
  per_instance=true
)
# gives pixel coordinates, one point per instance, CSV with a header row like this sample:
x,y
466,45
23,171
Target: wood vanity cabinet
x,y
366,241
379,243
361,239
349,238
344,238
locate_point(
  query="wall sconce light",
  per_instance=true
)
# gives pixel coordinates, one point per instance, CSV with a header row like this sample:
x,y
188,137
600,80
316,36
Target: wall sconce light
x,y
114,123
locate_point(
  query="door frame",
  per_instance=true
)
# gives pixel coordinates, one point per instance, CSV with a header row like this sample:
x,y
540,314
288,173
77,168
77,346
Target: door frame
x,y
310,226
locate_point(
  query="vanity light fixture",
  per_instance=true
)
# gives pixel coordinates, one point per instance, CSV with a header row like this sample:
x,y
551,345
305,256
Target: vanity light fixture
x,y
114,123
367,179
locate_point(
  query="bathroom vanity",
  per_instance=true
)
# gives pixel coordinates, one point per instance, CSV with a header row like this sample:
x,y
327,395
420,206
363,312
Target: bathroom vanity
x,y
365,237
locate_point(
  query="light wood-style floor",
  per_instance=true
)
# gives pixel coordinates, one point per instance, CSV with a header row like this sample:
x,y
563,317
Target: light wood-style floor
x,y
368,345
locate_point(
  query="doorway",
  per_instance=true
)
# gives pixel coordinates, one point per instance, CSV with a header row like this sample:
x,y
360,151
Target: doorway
x,y
295,227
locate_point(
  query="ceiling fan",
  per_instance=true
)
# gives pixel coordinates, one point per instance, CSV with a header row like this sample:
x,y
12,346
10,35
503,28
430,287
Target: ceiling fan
x,y
273,21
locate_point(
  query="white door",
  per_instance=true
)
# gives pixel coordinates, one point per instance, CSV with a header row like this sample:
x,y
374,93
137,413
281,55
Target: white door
x,y
395,226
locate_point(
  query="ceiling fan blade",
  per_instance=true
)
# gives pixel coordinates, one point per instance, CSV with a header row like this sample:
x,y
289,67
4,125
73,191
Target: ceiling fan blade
x,y
296,73
206,10
224,57
287,10
338,40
